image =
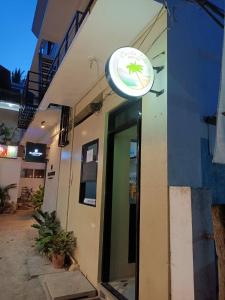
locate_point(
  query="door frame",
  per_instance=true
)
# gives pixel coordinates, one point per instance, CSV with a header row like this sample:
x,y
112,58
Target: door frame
x,y
108,197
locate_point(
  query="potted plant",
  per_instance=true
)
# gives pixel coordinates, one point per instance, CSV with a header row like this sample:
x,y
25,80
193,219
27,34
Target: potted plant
x,y
38,197
53,241
62,243
48,226
4,195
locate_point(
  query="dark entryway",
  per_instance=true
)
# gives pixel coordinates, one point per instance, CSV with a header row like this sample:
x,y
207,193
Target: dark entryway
x,y
121,226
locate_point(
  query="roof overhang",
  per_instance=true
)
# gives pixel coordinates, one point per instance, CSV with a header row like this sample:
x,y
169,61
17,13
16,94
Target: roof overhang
x,y
111,24
39,16
51,21
35,133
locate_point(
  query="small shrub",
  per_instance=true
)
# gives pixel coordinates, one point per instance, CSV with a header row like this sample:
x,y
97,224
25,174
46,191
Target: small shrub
x,y
48,226
4,195
51,238
38,197
63,243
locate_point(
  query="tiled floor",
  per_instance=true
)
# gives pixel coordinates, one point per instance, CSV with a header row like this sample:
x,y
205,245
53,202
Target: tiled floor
x,y
126,287
16,246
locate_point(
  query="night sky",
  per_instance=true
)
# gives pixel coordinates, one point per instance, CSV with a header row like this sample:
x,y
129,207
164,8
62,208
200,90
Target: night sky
x,y
17,41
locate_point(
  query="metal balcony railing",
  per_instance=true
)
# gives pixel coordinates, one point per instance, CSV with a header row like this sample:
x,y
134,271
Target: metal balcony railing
x,y
37,84
33,89
31,98
70,35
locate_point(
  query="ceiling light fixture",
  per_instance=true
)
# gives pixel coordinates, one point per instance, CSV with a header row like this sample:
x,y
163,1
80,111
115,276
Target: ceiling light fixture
x,y
43,124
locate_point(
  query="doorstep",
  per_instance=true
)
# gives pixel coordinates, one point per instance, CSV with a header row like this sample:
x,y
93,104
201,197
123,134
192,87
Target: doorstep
x,y
68,285
105,294
40,265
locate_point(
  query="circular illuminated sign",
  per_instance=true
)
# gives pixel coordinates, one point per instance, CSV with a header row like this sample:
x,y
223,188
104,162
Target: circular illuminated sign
x,y
129,73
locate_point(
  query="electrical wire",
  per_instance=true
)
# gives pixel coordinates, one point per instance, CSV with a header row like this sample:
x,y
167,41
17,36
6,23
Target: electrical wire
x,y
214,12
156,39
218,22
147,32
215,8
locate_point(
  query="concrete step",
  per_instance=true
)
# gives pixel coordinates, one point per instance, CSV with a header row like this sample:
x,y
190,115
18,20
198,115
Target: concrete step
x,y
68,285
39,265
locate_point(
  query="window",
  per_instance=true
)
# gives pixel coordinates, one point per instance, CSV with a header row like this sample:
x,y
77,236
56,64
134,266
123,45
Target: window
x,y
39,173
27,173
88,181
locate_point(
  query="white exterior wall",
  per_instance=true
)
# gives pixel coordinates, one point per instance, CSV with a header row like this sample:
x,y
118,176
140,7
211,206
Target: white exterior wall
x,y
172,121
10,173
87,222
51,182
64,184
181,247
172,129
193,261
33,183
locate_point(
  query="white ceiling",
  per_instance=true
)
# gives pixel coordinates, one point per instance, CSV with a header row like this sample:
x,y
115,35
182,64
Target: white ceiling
x,y
112,24
37,134
58,17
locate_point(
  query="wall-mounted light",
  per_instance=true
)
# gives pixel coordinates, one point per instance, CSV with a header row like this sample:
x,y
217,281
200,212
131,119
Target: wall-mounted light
x,y
43,124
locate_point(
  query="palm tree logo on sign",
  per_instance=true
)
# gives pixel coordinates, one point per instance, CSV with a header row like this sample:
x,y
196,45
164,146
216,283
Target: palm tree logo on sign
x,y
134,68
130,72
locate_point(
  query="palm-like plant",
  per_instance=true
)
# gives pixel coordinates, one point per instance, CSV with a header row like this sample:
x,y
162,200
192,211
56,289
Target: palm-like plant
x,y
38,197
63,243
4,195
48,226
6,133
135,68
17,76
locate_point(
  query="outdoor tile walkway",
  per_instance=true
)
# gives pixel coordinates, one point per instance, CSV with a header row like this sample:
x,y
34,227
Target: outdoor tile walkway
x,y
16,247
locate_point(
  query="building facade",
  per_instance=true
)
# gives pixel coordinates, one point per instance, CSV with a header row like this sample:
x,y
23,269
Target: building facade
x,y
132,179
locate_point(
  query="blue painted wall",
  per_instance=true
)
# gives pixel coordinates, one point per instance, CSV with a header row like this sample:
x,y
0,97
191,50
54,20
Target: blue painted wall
x,y
194,67
213,175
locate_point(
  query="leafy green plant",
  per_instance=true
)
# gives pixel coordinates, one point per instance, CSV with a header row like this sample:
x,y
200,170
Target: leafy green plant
x,y
63,243
38,197
17,76
6,133
48,226
47,220
4,195
52,240
44,242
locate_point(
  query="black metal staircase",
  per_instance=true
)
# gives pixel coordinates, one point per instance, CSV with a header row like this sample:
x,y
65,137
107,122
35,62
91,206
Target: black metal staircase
x,y
50,58
44,70
31,97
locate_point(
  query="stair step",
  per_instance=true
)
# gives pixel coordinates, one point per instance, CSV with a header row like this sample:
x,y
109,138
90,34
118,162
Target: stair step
x,y
47,60
45,69
69,285
46,66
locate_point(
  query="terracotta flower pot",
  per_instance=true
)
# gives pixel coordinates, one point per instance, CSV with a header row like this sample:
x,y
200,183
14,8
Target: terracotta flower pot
x,y
58,260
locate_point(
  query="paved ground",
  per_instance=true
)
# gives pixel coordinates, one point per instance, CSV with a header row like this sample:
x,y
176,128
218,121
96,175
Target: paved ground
x,y
16,246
